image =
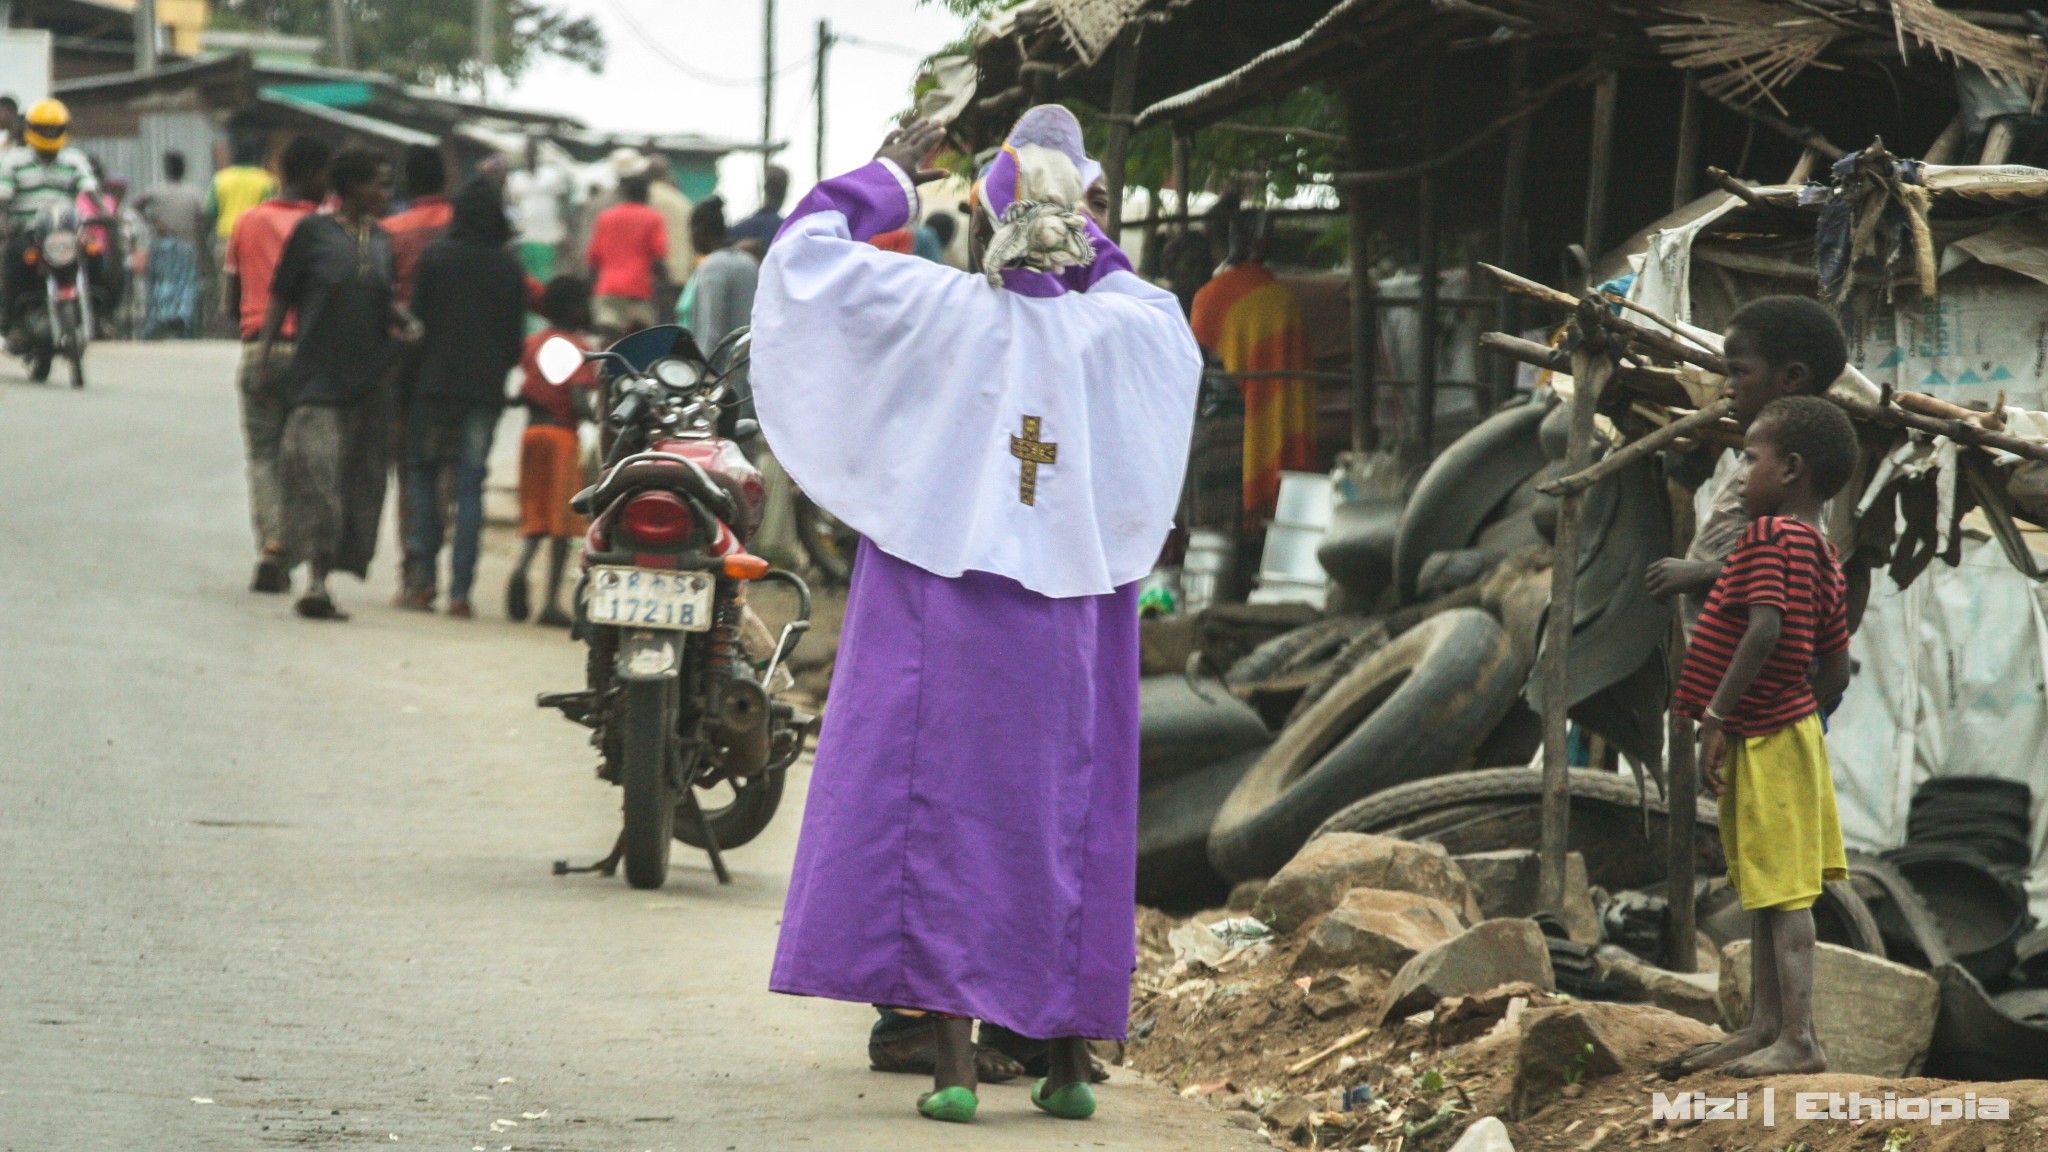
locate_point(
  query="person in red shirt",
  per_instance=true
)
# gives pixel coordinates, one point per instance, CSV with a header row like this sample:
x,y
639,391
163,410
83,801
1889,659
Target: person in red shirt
x,y
628,246
550,468
1771,646
414,230
254,248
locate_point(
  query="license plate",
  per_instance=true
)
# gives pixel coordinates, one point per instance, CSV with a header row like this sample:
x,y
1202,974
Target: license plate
x,y
645,598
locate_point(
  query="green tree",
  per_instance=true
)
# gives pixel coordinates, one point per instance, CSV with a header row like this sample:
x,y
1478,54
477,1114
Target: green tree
x,y
429,41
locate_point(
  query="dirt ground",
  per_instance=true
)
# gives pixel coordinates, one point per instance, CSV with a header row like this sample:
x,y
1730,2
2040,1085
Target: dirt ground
x,y
1236,1037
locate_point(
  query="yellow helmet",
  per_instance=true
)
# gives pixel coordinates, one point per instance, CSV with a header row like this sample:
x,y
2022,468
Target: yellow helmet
x,y
47,127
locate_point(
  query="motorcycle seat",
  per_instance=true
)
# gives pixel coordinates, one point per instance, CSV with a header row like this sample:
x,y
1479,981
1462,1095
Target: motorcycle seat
x,y
658,472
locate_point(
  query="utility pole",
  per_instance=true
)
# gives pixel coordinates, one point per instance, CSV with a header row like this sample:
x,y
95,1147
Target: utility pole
x,y
818,91
486,46
145,35
340,37
767,85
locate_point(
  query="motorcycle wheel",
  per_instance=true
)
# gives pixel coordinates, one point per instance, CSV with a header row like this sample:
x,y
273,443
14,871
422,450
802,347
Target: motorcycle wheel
x,y
650,802
78,370
829,543
752,804
39,366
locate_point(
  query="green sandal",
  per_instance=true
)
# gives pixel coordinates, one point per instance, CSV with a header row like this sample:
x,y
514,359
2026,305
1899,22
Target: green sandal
x,y
1074,1101
954,1105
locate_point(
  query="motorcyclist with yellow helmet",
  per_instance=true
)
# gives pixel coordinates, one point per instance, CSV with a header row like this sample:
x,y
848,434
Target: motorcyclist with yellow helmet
x,y
43,170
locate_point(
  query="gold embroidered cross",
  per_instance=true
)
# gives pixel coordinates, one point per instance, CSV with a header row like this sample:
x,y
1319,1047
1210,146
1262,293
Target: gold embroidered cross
x,y
1033,452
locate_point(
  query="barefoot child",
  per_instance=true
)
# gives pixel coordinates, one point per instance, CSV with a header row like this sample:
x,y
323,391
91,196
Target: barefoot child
x,y
1771,645
550,472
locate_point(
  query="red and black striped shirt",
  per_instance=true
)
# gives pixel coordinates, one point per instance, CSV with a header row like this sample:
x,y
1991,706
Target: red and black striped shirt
x,y
1781,563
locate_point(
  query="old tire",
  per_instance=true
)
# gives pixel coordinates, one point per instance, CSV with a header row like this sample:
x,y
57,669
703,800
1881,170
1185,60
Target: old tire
x,y
753,804
1463,489
650,802
1179,731
1174,817
1418,708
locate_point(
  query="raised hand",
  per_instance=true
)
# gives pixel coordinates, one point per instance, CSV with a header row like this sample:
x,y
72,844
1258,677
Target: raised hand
x,y
908,145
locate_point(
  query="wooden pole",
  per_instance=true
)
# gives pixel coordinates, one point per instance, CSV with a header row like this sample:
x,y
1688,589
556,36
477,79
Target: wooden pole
x,y
1430,286
1183,180
1365,425
1605,95
767,85
1636,449
145,35
486,46
818,89
1123,94
1591,366
1512,250
1681,775
1685,177
341,40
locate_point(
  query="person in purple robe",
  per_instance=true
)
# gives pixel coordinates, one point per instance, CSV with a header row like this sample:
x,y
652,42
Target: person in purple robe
x,y
1010,445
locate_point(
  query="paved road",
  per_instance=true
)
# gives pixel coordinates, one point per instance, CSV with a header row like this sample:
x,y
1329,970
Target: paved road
x,y
275,883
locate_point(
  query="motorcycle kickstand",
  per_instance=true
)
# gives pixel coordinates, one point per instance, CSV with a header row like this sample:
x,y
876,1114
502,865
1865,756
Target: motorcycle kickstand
x,y
607,867
710,837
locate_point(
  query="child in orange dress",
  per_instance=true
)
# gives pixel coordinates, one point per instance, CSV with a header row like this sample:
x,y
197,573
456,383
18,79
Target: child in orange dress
x,y
550,465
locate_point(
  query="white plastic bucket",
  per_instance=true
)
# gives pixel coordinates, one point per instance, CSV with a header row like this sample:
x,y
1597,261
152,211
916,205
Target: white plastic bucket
x,y
1291,555
1305,499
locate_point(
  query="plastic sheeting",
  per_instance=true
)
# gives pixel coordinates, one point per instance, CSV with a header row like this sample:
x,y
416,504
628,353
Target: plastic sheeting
x,y
1951,679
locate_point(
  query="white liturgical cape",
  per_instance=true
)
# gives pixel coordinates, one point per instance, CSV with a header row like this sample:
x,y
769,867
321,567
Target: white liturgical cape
x,y
896,392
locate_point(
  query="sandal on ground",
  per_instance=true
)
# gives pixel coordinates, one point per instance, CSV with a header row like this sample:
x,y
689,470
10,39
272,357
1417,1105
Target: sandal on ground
x,y
270,576
1031,1056
415,600
318,606
1072,1101
954,1105
917,1054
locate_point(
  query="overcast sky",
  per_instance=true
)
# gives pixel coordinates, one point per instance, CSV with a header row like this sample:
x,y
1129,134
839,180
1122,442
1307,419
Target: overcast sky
x,y
710,81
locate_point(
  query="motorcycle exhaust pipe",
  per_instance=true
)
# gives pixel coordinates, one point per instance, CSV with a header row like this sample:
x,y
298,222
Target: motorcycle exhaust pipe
x,y
743,727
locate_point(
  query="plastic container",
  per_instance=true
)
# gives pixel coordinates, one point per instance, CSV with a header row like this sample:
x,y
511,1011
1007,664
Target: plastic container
x,y
1204,569
1305,499
1291,554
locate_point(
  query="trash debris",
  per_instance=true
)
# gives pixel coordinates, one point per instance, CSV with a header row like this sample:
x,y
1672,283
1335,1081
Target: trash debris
x,y
202,1099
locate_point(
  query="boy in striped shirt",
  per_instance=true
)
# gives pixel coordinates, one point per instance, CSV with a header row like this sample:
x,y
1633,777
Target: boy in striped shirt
x,y
1771,645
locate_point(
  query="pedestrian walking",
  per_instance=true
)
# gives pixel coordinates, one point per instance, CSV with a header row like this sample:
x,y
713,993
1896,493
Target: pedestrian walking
x,y
336,274
720,295
176,213
423,220
1770,651
470,299
970,840
665,196
539,197
628,248
550,465
250,267
758,229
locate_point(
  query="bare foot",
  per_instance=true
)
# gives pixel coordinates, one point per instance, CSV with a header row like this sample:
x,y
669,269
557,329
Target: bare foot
x,y
1703,1056
1784,1057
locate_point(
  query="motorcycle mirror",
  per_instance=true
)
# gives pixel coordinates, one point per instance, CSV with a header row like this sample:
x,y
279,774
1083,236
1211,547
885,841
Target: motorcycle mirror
x,y
559,358
735,348
746,429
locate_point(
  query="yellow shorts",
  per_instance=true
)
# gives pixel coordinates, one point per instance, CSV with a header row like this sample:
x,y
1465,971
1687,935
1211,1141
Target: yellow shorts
x,y
1779,828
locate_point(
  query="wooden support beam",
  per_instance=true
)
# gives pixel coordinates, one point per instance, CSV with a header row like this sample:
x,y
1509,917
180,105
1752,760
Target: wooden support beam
x,y
1681,773
1431,283
1691,111
1512,249
1183,180
1365,425
1599,169
1591,366
1123,95
1637,449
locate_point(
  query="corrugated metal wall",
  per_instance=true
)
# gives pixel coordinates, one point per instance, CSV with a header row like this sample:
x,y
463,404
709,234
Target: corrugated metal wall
x,y
139,159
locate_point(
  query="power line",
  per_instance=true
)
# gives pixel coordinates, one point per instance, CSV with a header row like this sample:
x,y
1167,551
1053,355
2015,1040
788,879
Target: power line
x,y
679,65
879,46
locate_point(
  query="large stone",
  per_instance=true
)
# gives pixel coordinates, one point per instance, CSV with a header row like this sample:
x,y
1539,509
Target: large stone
x,y
1576,1043
1327,867
1874,1017
1692,994
1378,928
1490,954
1509,883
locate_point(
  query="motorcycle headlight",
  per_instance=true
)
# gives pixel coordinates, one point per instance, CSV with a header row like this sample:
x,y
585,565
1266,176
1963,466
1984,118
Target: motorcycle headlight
x,y
60,248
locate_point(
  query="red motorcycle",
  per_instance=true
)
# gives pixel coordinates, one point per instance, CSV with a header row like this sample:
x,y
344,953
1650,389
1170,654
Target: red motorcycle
x,y
680,672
